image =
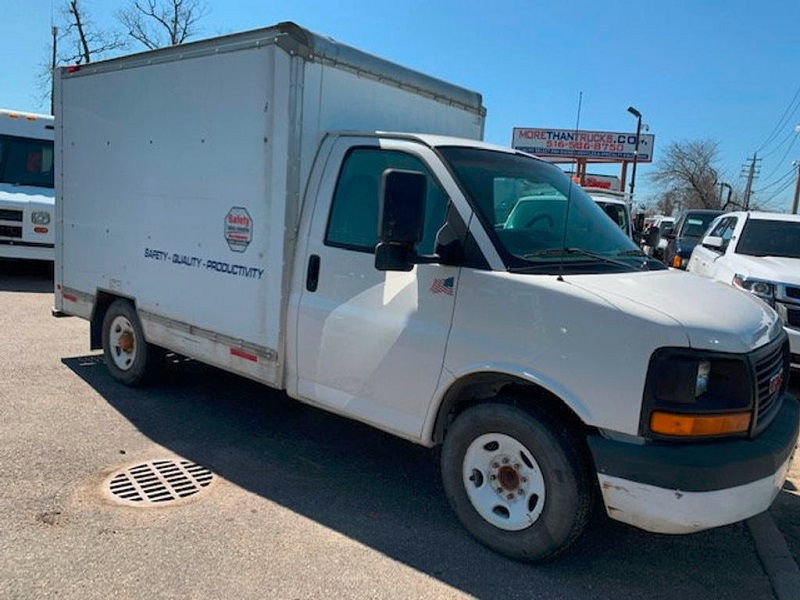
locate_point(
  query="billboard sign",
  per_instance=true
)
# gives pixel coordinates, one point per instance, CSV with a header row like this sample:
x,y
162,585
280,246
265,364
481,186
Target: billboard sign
x,y
569,144
606,182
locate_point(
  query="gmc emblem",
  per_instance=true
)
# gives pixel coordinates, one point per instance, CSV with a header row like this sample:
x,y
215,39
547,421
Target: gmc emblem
x,y
775,383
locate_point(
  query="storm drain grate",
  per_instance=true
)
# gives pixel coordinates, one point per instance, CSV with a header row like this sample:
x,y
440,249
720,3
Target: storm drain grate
x,y
159,481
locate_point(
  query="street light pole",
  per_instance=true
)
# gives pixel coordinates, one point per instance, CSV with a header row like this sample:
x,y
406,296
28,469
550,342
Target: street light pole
x,y
638,116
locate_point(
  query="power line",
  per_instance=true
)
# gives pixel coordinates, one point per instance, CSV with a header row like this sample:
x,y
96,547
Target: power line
x,y
781,143
780,122
781,179
783,158
786,186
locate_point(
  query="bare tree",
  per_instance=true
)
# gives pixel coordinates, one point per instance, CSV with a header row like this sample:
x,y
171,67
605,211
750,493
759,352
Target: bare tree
x,y
688,176
158,23
85,41
79,41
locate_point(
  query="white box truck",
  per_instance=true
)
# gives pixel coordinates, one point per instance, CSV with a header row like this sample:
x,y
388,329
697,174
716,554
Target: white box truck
x,y
26,186
240,201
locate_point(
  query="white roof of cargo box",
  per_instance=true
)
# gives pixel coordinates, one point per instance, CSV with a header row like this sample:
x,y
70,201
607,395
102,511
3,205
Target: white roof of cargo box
x,y
302,42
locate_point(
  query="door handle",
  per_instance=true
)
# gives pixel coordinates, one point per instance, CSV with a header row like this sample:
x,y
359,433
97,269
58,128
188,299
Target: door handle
x,y
312,273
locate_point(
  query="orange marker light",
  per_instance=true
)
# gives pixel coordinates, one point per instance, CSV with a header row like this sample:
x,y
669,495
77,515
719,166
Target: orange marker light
x,y
665,423
676,261
40,229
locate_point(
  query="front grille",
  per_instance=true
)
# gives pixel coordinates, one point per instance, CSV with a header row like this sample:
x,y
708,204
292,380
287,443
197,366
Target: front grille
x,y
793,318
10,231
7,214
793,292
770,363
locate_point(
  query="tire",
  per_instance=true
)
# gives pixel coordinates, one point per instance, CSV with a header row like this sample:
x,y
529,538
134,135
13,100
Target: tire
x,y
131,360
554,485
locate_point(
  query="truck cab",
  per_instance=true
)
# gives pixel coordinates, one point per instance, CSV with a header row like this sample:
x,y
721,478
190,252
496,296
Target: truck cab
x,y
26,186
615,205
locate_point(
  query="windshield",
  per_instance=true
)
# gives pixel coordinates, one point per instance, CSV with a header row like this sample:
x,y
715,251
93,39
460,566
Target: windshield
x,y
523,203
616,212
25,161
696,224
763,237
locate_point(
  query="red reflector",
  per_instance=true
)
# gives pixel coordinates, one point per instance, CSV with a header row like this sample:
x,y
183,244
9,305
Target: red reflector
x,y
69,297
58,286
73,68
40,229
243,354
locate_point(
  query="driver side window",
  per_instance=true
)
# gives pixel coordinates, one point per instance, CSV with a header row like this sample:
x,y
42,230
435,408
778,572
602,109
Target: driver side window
x,y
724,229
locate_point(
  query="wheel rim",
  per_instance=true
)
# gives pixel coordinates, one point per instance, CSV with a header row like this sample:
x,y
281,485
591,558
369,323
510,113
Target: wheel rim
x,y
122,338
503,481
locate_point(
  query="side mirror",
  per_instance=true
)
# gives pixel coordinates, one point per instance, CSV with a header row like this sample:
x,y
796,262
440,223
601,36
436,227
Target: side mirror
x,y
401,219
715,243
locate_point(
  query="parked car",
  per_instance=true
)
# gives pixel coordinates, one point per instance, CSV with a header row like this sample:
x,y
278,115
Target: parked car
x,y
26,186
758,252
242,201
687,231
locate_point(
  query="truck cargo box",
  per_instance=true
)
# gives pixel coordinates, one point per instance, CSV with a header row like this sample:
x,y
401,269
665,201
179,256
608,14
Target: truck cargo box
x,y
181,173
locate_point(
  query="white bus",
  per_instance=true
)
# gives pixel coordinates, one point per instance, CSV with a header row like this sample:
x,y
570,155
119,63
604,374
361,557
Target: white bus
x,y
26,186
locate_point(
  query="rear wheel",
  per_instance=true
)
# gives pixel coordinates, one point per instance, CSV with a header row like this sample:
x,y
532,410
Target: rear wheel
x,y
519,481
129,358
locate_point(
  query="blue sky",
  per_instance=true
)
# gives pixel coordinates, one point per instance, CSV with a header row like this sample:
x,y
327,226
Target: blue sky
x,y
719,70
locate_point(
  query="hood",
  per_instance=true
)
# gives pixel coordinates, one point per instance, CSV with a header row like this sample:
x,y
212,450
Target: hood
x,y
771,268
25,194
715,316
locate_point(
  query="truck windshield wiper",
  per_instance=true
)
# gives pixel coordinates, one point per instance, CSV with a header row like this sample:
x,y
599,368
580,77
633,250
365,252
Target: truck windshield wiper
x,y
579,251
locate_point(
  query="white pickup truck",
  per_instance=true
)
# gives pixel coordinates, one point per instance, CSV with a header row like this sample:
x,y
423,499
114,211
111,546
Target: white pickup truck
x,y
241,201
758,252
26,185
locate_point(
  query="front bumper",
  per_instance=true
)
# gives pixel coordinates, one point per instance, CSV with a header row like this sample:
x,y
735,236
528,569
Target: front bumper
x,y
27,251
682,488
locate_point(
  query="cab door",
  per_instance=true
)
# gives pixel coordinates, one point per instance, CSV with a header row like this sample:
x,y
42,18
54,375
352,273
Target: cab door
x,y
371,344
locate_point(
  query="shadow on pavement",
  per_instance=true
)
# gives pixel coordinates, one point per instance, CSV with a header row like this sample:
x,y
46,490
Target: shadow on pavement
x,y
384,492
26,276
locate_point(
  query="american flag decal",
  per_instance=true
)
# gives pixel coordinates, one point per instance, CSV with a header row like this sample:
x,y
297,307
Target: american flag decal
x,y
443,286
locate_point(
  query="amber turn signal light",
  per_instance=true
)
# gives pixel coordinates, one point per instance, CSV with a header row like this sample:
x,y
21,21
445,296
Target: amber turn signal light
x,y
665,423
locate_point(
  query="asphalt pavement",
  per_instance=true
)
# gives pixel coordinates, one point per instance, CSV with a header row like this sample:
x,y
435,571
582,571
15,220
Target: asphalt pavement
x,y
304,505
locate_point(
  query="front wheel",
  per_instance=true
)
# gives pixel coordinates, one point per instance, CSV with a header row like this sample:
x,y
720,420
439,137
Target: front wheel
x,y
129,358
518,481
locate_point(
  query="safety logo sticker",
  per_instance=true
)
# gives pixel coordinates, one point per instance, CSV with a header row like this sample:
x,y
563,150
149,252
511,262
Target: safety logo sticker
x,y
238,229
443,286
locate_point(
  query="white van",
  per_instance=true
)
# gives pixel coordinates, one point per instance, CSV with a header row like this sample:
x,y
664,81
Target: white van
x,y
241,201
758,252
26,185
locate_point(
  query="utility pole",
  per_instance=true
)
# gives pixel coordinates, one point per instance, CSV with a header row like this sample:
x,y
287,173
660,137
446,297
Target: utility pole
x,y
751,175
54,31
638,116
796,188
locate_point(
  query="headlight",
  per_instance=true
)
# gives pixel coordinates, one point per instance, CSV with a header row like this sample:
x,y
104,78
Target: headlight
x,y
695,394
40,217
762,289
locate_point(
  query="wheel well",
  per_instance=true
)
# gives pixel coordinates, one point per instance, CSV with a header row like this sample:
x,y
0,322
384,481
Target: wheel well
x,y
480,387
102,301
